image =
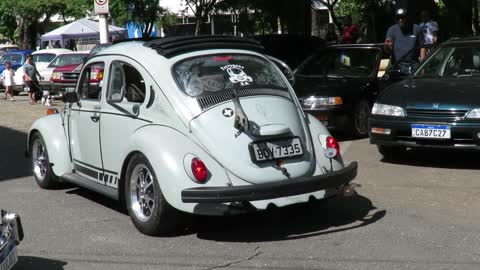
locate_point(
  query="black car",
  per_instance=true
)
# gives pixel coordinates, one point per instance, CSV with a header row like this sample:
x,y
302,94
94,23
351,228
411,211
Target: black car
x,y
438,107
339,84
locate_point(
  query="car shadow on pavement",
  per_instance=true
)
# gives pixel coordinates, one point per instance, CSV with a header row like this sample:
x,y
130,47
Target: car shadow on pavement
x,y
293,222
13,163
31,263
99,199
438,158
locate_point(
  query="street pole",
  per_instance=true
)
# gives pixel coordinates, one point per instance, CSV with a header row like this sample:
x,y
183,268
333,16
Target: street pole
x,y
103,24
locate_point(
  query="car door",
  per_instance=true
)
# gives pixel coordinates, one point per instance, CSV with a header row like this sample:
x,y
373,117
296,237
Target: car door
x,y
84,124
126,99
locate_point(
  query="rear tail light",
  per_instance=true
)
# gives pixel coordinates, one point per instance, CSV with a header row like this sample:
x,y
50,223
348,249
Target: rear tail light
x,y
332,143
199,170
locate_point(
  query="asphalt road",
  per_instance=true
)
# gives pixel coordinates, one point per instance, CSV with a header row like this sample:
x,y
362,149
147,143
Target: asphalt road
x,y
417,212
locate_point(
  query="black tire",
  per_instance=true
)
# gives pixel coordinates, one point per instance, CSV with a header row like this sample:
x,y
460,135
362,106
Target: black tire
x,y
42,169
361,113
391,152
16,93
150,216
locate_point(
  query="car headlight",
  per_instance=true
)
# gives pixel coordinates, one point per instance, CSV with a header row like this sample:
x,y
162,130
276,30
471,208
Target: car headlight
x,y
314,102
389,110
475,113
56,76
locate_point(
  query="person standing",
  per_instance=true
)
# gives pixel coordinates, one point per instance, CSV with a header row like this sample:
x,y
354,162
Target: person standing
x,y
404,41
429,29
7,76
31,79
350,33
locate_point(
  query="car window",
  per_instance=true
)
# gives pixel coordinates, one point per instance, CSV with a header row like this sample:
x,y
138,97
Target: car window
x,y
90,84
67,59
12,58
205,75
341,62
126,79
452,62
43,57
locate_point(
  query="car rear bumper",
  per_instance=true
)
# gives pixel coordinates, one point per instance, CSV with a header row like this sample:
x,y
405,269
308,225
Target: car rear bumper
x,y
463,135
267,191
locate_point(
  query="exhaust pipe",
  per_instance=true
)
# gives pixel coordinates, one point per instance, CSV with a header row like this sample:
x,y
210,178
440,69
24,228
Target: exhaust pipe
x,y
349,189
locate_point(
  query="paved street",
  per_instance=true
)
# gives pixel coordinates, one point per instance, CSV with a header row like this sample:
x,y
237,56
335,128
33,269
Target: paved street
x,y
419,212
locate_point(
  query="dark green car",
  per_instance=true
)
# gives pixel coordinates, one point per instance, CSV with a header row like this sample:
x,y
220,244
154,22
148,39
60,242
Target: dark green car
x,y
438,107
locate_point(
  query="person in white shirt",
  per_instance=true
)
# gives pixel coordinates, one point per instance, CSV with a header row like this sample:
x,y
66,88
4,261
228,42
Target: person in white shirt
x,y
7,76
430,30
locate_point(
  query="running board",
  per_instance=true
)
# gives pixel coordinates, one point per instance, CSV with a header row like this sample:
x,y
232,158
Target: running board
x,y
89,184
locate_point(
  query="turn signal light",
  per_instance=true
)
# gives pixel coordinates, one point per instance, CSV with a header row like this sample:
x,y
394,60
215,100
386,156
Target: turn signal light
x,y
333,143
52,111
199,170
385,131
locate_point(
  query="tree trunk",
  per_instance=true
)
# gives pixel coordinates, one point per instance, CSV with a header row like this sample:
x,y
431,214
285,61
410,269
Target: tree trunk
x,y
476,24
21,33
335,19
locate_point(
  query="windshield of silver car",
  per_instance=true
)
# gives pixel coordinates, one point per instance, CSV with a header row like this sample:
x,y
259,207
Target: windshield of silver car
x,y
340,63
204,75
452,61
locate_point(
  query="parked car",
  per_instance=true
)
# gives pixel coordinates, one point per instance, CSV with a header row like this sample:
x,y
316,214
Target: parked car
x,y
4,48
438,107
339,84
42,60
203,125
290,48
11,233
16,58
66,71
66,77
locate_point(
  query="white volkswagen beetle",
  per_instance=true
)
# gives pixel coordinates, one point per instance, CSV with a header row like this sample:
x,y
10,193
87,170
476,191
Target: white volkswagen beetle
x,y
203,125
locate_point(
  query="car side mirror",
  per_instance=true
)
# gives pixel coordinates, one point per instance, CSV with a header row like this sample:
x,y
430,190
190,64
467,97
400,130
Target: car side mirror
x,y
70,97
396,74
284,68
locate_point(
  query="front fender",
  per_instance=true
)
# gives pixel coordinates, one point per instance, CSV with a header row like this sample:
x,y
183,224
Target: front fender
x,y
53,133
170,152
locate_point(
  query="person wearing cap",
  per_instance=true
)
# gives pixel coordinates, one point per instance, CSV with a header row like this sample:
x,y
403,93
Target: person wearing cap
x,y
405,42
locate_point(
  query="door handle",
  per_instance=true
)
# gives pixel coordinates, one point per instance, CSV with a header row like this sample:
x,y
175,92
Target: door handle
x,y
95,118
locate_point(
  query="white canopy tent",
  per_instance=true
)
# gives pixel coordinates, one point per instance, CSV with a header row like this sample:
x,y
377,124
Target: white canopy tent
x,y
83,29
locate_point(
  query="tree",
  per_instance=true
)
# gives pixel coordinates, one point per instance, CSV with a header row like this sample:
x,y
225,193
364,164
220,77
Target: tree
x,y
144,12
330,4
201,9
8,23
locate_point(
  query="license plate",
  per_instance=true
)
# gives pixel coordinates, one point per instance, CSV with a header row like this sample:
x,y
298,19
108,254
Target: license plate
x,y
431,131
276,149
11,258
69,89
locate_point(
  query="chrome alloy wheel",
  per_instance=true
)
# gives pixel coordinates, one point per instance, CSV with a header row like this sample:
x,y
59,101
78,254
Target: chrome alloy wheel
x,y
142,192
39,160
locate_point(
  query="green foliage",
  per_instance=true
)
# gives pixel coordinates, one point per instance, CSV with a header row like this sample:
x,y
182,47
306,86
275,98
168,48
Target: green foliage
x,y
147,12
8,23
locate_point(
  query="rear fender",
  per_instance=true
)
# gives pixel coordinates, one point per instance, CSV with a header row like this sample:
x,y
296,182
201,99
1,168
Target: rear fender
x,y
170,152
319,135
53,133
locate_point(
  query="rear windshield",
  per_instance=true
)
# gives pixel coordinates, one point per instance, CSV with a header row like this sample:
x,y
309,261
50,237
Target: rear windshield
x,y
207,74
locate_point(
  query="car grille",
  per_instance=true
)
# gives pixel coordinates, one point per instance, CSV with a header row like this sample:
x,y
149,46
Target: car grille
x,y
208,101
449,114
70,76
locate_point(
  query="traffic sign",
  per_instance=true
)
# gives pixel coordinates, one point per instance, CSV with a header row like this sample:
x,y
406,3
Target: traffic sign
x,y
101,6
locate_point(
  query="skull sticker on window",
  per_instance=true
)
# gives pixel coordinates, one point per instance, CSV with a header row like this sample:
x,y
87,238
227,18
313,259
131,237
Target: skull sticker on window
x,y
237,75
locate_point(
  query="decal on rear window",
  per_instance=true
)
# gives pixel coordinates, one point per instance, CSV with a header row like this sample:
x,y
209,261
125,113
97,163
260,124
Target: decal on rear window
x,y
237,75
204,75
